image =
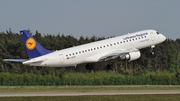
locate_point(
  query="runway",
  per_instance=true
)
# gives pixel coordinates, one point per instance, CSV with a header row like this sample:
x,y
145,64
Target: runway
x,y
25,94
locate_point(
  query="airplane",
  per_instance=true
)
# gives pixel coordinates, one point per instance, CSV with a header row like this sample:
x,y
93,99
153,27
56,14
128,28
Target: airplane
x,y
125,47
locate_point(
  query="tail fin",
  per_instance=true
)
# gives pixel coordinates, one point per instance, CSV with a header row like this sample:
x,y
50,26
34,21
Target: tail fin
x,y
33,48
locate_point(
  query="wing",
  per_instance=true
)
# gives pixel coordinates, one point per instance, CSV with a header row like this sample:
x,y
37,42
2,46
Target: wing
x,y
117,53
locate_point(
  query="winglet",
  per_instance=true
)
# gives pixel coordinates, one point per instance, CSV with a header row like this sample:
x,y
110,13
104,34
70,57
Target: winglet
x,y
33,48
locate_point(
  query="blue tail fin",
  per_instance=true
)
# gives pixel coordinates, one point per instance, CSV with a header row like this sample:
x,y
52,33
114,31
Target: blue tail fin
x,y
33,48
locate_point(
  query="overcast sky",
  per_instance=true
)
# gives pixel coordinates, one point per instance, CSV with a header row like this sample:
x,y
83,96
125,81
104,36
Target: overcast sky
x,y
91,17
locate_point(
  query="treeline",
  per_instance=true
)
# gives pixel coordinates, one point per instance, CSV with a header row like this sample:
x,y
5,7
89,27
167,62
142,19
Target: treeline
x,y
165,60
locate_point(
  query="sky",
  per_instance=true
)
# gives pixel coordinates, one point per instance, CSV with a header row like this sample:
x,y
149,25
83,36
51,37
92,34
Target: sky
x,y
102,18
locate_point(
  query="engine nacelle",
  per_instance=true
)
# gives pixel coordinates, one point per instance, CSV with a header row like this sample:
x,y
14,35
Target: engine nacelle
x,y
132,56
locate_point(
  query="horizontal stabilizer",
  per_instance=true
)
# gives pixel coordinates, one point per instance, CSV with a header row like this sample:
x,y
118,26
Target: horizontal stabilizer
x,y
15,60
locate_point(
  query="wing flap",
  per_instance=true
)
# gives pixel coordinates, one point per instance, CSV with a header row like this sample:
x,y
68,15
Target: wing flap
x,y
116,54
112,56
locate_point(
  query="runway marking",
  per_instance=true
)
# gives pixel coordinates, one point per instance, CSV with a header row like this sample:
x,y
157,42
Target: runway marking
x,y
16,94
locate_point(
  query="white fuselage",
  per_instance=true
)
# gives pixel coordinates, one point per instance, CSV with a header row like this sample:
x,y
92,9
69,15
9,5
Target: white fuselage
x,y
92,52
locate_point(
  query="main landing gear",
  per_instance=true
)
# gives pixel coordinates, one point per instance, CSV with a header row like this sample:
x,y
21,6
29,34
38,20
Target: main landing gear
x,y
110,66
89,66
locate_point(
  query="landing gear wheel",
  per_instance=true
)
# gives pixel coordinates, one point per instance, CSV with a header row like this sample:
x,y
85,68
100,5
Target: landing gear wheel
x,y
89,66
152,53
110,66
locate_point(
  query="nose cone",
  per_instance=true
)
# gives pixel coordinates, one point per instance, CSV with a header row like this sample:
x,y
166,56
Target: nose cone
x,y
163,38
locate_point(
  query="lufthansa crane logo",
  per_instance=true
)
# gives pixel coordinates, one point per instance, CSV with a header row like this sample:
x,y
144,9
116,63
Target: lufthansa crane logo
x,y
30,43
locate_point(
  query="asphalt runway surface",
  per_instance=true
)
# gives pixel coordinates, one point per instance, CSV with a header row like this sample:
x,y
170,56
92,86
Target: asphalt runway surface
x,y
16,94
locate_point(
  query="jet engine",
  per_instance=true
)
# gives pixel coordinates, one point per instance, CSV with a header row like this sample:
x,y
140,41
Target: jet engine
x,y
132,56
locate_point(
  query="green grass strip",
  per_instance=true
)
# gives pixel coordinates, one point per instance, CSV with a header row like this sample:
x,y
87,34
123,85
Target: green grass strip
x,y
86,88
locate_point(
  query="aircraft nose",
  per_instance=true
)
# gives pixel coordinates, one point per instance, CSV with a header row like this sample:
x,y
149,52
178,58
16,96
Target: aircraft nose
x,y
163,38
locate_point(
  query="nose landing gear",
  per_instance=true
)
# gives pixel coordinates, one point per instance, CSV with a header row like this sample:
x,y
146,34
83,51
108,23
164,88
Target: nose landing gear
x,y
151,49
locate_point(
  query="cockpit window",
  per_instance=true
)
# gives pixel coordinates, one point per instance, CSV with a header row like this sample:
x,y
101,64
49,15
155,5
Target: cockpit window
x,y
157,32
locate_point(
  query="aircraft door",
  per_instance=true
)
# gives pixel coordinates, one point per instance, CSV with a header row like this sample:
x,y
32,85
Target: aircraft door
x,y
61,58
152,36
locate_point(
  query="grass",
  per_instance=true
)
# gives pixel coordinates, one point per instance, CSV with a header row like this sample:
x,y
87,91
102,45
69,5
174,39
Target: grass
x,y
86,88
98,98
